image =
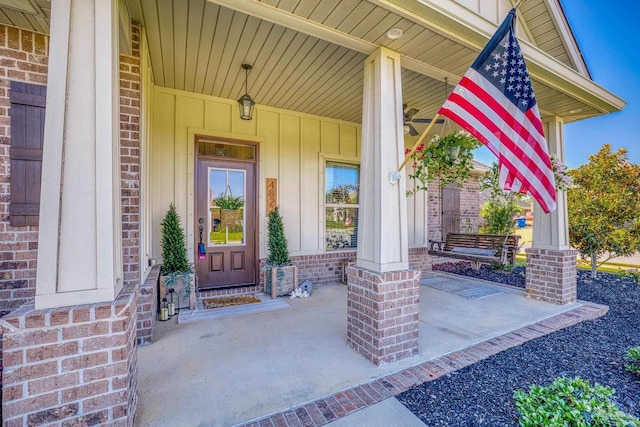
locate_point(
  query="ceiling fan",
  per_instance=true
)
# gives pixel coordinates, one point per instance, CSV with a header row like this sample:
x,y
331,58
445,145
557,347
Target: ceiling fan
x,y
408,119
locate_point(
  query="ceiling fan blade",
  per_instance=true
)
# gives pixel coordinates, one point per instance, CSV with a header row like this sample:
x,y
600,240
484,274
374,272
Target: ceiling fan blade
x,y
439,121
412,112
412,130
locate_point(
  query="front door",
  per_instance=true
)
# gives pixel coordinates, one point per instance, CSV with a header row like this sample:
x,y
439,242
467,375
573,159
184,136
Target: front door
x,y
225,222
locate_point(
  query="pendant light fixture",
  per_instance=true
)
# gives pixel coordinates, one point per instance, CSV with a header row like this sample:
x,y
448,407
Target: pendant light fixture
x,y
246,103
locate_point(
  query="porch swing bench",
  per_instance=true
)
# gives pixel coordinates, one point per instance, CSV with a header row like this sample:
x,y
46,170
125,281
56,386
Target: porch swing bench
x,y
483,248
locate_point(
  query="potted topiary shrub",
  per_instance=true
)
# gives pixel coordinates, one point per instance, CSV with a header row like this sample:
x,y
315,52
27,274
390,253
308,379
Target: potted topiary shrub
x,y
176,273
281,276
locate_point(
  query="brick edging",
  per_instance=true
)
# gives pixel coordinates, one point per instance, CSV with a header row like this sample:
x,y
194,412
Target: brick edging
x,y
334,406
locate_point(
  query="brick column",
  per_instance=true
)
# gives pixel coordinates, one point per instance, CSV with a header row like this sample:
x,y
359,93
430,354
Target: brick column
x,y
551,263
552,275
72,365
382,313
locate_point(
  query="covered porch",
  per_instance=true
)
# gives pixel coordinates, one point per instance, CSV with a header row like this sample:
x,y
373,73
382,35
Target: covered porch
x,y
230,371
135,87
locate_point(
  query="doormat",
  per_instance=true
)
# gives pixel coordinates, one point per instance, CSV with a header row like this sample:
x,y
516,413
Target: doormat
x,y
264,303
210,303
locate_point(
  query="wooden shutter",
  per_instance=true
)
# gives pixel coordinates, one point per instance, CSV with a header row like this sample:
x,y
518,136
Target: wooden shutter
x,y
27,136
450,210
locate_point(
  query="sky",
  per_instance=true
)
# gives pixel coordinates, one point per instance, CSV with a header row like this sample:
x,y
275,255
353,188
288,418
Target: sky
x,y
610,43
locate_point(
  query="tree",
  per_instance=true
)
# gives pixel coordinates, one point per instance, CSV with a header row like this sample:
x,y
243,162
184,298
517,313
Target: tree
x,y
174,250
501,209
276,240
604,208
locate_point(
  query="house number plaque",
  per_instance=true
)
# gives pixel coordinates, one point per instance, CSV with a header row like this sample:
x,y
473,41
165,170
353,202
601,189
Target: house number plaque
x,y
272,194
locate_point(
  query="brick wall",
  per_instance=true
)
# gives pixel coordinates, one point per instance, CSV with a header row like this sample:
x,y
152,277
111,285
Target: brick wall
x,y
322,269
469,208
73,365
130,157
148,307
23,57
420,260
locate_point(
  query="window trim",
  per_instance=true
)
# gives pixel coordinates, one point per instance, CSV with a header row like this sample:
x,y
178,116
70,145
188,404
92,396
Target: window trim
x,y
323,158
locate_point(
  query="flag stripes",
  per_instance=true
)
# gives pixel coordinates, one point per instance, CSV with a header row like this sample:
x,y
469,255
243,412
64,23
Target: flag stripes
x,y
495,102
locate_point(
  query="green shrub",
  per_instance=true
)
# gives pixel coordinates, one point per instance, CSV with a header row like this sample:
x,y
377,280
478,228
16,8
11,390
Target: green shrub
x,y
499,215
174,249
633,273
633,360
276,240
570,402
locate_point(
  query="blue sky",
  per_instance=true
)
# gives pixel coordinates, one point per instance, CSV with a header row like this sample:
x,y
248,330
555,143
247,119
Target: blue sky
x,y
610,42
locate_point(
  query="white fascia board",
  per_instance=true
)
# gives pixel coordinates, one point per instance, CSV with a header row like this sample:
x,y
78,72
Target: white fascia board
x,y
566,34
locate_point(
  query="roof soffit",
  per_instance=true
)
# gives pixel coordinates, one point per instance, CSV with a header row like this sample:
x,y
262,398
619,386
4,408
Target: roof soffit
x,y
465,27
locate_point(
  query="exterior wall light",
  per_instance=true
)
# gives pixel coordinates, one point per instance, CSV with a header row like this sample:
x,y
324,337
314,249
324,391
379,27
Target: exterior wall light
x,y
246,103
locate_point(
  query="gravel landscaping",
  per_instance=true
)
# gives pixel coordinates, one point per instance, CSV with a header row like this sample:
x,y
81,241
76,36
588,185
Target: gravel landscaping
x,y
482,394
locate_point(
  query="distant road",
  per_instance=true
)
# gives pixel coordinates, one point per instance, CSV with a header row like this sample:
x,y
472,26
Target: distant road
x,y
629,260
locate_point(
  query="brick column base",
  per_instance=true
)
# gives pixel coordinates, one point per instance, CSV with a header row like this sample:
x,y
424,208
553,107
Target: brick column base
x,y
71,366
382,313
552,275
148,307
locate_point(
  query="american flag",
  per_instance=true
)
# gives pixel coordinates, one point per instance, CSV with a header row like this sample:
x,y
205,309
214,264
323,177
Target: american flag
x,y
494,101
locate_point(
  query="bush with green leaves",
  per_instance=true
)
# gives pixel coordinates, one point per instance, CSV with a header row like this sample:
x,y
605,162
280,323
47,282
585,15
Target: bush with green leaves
x,y
502,208
571,402
499,216
174,249
633,360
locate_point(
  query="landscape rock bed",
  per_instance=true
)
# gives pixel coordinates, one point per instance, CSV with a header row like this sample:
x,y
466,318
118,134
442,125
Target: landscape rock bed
x,y
482,394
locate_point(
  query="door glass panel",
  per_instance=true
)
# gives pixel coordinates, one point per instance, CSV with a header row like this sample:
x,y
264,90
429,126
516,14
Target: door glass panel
x,y
226,207
230,151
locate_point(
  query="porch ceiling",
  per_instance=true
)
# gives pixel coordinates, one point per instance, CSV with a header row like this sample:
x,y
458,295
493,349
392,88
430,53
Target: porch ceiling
x,y
308,55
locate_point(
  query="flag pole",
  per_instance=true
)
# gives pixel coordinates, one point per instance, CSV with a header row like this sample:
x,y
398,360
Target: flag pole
x,y
424,134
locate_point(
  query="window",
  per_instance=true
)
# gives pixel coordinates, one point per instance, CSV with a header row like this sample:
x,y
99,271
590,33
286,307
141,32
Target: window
x,y
342,187
27,136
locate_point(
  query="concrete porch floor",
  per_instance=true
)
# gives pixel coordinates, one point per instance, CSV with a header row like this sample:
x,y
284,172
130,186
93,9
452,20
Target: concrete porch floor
x,y
225,372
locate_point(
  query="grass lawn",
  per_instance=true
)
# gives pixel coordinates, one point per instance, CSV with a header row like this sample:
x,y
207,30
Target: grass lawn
x,y
526,234
220,237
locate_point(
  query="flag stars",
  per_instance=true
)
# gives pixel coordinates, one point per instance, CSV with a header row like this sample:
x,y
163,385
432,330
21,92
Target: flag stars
x,y
503,81
487,67
496,56
510,88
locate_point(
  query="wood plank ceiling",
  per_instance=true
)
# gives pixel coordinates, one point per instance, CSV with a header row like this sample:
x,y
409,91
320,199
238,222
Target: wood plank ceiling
x,y
198,46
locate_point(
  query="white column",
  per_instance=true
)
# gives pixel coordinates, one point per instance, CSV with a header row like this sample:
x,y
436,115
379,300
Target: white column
x,y
551,231
382,221
79,249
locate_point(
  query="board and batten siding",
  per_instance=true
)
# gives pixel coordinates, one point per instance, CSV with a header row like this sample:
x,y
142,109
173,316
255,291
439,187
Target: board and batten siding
x,y
291,147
